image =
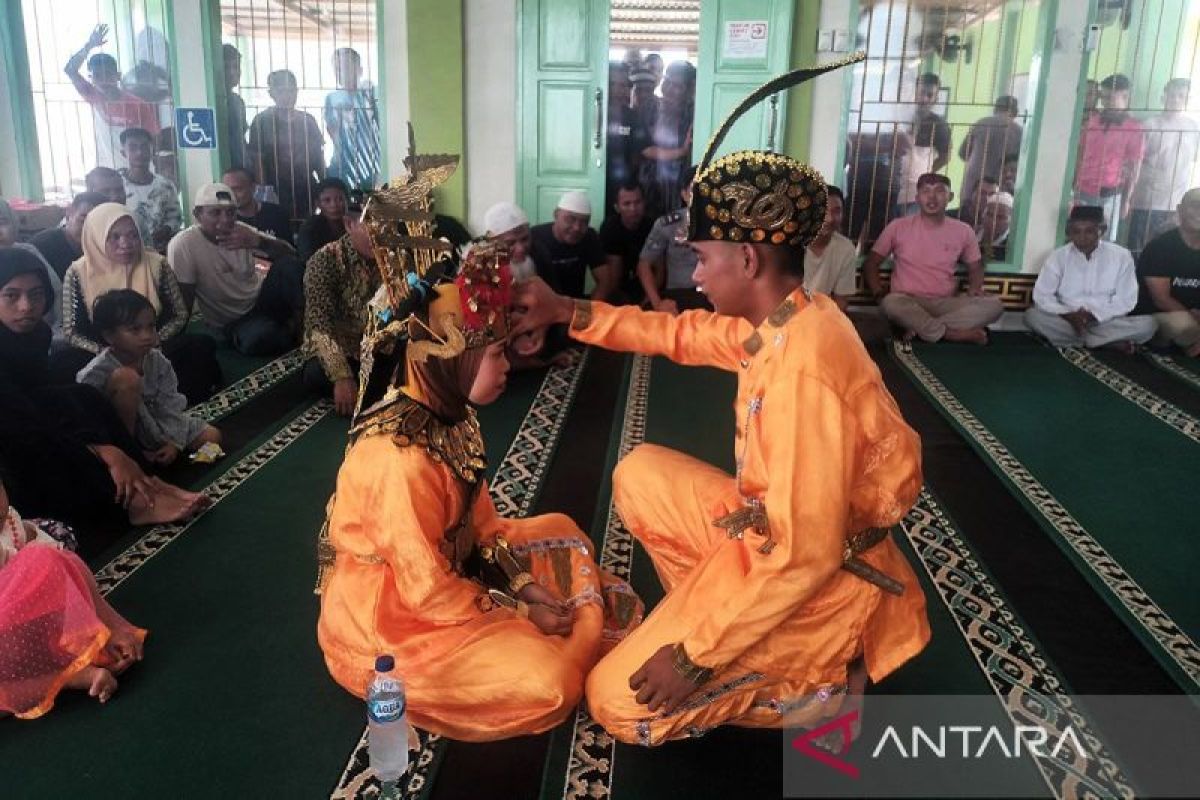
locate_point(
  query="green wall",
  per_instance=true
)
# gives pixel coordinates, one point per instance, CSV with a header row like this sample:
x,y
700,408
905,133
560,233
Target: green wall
x,y
436,103
797,121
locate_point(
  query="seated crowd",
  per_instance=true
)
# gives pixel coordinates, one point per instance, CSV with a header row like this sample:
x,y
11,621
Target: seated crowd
x,y
101,354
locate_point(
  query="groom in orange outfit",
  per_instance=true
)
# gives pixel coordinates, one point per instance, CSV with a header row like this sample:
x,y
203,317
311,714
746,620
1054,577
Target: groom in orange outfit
x,y
784,588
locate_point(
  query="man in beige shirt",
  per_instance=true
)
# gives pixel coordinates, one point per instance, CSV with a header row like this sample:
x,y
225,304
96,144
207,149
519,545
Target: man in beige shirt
x,y
830,259
258,302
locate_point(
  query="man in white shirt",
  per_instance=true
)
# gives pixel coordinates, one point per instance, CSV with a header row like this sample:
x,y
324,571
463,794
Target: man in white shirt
x,y
258,305
1086,290
1172,143
831,259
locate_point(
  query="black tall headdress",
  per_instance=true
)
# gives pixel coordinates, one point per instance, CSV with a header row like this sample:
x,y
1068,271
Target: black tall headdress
x,y
756,196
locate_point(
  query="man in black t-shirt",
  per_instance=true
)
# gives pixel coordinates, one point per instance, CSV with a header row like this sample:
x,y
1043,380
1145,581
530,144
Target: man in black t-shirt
x,y
565,249
263,217
623,235
1169,270
62,245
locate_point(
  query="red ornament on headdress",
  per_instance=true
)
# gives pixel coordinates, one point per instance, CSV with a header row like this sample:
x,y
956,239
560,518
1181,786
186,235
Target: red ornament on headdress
x,y
485,288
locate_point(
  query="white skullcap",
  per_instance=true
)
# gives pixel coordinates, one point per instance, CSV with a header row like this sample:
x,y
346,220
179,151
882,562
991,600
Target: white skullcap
x,y
1001,199
502,218
576,203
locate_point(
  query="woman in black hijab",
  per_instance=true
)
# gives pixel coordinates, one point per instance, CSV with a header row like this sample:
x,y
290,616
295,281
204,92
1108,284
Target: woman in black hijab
x,y
64,453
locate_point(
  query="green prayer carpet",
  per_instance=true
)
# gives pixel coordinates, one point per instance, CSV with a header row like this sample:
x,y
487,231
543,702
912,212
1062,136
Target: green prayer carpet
x,y
1125,475
738,762
233,698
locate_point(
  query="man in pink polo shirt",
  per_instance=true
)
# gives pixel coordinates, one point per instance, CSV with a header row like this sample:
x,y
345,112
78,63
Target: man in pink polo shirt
x,y
927,247
1111,147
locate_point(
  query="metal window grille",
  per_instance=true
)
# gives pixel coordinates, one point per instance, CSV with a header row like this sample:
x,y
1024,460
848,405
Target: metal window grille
x,y
290,153
1139,138
78,130
981,52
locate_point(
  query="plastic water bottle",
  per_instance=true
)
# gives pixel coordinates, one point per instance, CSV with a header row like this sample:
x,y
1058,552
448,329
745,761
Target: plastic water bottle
x,y
387,723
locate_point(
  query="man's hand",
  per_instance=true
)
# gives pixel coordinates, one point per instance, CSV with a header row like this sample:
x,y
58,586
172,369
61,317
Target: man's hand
x,y
242,237
975,291
345,393
126,475
658,685
667,305
1077,320
537,306
164,455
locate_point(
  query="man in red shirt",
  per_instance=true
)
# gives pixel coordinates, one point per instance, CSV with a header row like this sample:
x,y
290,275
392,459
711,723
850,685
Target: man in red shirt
x,y
1110,154
113,108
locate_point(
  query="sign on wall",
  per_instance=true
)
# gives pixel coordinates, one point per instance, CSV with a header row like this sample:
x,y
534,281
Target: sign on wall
x,y
195,129
745,39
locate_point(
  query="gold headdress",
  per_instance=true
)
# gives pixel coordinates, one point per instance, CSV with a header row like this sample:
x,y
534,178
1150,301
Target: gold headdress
x,y
417,302
755,196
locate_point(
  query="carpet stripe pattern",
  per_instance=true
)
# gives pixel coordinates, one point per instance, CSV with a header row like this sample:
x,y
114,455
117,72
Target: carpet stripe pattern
x,y
1170,636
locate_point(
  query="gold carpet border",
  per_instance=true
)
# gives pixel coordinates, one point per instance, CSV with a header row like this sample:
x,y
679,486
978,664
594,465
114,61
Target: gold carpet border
x,y
1177,644
592,750
513,490
150,544
1028,687
242,391
1017,672
1168,364
1137,394
1015,289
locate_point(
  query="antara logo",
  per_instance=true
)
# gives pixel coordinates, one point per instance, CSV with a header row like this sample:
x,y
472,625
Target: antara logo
x,y
970,742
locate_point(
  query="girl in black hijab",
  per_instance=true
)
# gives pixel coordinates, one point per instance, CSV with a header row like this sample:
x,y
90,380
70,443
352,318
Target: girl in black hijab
x,y
64,453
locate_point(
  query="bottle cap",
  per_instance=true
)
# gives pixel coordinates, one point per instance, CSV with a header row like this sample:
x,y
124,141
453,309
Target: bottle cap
x,y
384,663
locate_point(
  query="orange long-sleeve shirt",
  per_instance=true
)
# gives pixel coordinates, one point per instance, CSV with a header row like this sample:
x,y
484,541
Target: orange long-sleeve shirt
x,y
820,442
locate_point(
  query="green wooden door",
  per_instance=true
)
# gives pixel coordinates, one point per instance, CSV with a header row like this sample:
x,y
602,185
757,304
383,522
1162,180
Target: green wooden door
x,y
562,66
743,44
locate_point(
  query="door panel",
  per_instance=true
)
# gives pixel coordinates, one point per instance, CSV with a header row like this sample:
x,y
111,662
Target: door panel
x,y
563,72
728,70
564,34
562,114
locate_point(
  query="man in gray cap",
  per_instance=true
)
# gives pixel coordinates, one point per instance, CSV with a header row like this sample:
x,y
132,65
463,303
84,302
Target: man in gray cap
x,y
248,283
565,249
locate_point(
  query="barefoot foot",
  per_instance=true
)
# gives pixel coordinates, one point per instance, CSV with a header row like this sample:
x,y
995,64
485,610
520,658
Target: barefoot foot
x,y
172,505
96,681
969,335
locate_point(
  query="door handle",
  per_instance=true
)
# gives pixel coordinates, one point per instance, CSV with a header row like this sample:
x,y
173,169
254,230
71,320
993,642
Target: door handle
x,y
773,122
598,138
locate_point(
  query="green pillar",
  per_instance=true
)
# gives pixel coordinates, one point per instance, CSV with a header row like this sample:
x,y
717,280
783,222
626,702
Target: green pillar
x,y
435,90
797,127
20,90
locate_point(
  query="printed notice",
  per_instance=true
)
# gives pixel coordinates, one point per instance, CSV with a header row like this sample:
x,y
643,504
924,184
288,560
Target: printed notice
x,y
745,40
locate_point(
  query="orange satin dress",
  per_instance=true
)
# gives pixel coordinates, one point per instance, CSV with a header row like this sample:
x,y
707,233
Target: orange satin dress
x,y
822,444
469,673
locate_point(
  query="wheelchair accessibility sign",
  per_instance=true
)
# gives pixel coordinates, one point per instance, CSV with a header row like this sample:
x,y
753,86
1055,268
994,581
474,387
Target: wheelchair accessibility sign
x,y
195,128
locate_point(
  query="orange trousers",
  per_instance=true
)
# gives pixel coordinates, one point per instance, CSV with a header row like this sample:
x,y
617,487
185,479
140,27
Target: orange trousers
x,y
795,676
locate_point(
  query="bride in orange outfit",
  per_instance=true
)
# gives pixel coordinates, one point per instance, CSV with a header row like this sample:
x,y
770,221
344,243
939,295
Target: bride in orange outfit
x,y
494,623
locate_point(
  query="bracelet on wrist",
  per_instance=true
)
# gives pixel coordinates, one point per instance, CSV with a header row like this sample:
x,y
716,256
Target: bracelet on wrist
x,y
688,668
